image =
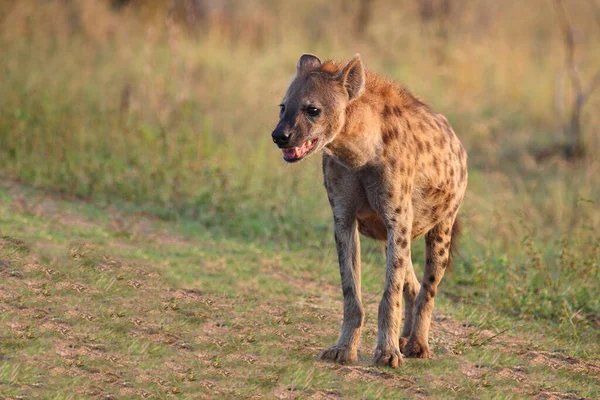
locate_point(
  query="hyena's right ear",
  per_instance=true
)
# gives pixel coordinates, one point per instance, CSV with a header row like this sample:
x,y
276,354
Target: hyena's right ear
x,y
307,62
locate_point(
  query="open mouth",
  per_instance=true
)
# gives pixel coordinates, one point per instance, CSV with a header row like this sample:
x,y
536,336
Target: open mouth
x,y
298,153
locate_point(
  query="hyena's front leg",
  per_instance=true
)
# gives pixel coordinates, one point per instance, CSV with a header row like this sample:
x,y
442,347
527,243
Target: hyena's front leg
x,y
348,249
398,222
437,241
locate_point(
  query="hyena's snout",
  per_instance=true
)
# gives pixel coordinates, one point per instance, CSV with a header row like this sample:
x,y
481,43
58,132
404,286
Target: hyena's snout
x,y
294,146
281,135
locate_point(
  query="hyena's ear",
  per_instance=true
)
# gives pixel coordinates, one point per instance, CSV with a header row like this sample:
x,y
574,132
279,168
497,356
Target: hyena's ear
x,y
353,77
307,62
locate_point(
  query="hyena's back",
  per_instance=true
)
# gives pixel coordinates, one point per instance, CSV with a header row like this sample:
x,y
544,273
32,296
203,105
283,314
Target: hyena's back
x,y
440,174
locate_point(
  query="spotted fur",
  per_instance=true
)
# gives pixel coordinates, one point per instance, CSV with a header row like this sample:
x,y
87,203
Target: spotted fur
x,y
393,170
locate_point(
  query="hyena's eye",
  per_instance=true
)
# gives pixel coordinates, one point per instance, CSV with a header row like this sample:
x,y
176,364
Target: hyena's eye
x,y
313,111
281,109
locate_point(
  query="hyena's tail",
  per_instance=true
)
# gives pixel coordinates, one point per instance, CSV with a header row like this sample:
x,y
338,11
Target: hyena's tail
x,y
456,231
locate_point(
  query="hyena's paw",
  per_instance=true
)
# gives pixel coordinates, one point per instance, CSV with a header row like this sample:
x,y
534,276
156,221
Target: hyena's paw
x,y
414,349
403,341
339,354
387,357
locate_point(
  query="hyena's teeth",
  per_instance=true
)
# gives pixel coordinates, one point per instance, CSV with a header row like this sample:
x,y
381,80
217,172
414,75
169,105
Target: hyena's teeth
x,y
300,151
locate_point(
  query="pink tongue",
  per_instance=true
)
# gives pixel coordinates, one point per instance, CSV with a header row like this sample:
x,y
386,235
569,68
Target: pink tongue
x,y
289,152
295,152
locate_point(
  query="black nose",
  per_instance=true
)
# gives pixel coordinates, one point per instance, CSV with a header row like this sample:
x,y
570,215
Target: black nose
x,y
280,137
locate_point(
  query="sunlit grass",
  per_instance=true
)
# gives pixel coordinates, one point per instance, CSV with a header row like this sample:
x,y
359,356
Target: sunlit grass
x,y
139,115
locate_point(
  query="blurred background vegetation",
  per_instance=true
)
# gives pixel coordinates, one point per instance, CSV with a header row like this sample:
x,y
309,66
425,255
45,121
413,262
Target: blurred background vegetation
x,y
167,107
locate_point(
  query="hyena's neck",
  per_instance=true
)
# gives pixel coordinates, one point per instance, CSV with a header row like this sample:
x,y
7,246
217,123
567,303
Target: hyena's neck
x,y
357,144
381,114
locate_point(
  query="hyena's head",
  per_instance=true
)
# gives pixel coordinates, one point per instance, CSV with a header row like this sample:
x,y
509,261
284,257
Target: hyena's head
x,y
313,110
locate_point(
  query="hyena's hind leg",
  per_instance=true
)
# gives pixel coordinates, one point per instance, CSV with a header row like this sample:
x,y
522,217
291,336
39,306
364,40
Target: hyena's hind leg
x,y
410,291
439,243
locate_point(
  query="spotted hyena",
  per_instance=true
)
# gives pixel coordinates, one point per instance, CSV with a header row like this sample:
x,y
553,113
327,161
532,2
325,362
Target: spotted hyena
x,y
394,170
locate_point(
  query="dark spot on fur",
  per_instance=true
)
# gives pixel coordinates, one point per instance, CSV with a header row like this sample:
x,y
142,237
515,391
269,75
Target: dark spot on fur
x,y
389,133
431,278
387,111
404,243
408,126
439,239
397,111
447,231
400,262
393,219
420,146
386,137
403,231
390,194
392,162
398,210
428,145
442,252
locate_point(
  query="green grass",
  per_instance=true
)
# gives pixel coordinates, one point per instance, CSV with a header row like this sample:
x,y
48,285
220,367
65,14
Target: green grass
x,y
103,303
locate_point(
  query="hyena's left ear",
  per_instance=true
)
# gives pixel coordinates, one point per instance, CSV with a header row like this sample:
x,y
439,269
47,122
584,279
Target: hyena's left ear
x,y
353,77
